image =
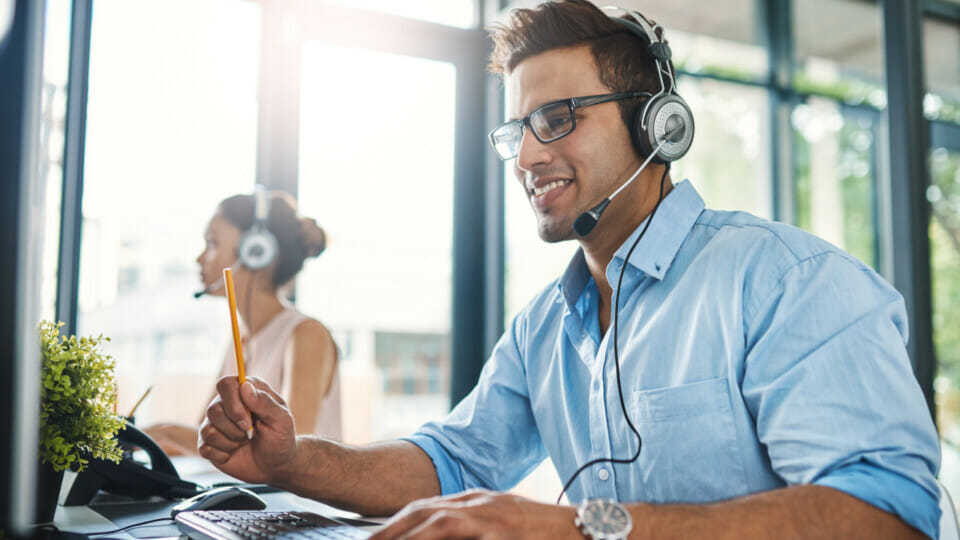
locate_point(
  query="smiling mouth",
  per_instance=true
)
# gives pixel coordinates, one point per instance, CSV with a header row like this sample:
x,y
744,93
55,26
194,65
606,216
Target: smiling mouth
x,y
539,191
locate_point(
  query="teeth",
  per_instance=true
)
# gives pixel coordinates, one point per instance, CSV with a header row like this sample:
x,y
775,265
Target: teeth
x,y
552,185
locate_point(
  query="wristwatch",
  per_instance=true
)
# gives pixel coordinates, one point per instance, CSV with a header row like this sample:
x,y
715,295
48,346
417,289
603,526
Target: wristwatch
x,y
603,519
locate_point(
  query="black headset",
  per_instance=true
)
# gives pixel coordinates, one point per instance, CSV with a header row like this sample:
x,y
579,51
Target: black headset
x,y
656,119
258,246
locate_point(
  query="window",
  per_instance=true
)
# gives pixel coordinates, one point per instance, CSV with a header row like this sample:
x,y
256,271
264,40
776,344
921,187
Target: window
x,y
56,58
943,195
839,50
460,13
941,46
171,131
729,161
377,173
719,38
835,174
839,72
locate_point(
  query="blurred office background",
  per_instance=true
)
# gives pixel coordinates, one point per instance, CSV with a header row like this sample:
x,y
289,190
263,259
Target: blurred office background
x,y
839,116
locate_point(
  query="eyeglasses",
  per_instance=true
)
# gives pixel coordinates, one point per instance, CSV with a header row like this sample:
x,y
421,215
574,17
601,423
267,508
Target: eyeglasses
x,y
549,122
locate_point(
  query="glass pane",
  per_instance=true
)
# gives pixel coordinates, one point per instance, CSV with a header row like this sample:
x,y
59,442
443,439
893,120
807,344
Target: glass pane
x,y
941,47
56,60
460,13
171,130
384,285
729,162
942,103
944,197
835,175
839,50
720,37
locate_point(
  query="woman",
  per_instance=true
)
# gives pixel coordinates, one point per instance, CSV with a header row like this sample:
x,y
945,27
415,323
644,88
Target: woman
x,y
280,345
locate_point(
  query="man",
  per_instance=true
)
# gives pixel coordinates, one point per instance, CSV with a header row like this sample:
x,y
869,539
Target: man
x,y
763,370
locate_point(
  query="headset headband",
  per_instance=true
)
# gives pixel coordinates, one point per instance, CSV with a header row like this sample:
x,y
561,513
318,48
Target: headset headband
x,y
659,49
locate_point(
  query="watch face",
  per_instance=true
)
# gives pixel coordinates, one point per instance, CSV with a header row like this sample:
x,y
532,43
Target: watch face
x,y
607,518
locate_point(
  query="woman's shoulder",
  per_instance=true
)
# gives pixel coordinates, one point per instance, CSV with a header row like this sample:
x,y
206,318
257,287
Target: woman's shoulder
x,y
309,325
311,332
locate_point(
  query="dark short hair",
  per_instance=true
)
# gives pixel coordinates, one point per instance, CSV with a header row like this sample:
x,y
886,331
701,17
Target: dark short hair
x,y
623,60
297,238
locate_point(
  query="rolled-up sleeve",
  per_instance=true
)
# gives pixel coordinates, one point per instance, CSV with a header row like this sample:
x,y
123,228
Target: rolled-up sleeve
x,y
829,382
490,439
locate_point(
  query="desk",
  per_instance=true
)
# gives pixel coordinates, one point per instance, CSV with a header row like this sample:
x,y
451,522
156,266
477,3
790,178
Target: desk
x,y
107,512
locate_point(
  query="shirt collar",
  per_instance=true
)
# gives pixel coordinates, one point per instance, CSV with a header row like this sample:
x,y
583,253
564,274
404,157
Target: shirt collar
x,y
655,253
675,218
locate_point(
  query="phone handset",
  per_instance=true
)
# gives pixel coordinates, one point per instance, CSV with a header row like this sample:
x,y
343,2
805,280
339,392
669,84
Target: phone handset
x,y
130,477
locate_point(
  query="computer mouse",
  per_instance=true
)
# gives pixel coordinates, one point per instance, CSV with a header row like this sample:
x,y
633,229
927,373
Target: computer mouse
x,y
222,498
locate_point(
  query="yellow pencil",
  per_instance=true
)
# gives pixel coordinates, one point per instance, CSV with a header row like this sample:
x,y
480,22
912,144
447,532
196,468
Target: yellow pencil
x,y
237,347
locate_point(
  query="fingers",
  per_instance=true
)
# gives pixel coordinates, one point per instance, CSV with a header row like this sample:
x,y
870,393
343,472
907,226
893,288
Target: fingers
x,y
220,433
433,523
263,385
219,436
413,522
231,404
263,402
215,455
230,417
447,524
439,517
220,420
472,495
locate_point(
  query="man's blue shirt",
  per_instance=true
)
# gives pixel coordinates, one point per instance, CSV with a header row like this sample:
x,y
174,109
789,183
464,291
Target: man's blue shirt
x,y
753,356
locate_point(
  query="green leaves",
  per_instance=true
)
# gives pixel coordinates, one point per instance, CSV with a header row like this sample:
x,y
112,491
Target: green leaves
x,y
77,392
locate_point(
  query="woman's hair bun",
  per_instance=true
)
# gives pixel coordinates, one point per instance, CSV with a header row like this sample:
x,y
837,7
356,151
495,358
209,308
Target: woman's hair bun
x,y
314,238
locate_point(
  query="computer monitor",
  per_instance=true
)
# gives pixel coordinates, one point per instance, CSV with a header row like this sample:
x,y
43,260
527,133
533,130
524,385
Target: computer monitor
x,y
21,219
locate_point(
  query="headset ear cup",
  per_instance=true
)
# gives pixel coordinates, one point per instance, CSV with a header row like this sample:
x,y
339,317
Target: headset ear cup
x,y
257,249
665,113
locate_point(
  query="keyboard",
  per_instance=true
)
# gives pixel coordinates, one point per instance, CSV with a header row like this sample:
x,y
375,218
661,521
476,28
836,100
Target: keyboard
x,y
250,524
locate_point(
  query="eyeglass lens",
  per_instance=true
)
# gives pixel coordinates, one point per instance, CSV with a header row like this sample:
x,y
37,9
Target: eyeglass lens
x,y
548,123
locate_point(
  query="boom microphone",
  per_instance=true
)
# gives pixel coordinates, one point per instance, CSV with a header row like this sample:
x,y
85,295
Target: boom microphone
x,y
218,284
588,220
212,288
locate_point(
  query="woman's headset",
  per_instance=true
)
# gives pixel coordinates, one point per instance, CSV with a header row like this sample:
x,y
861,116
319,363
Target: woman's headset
x,y
258,246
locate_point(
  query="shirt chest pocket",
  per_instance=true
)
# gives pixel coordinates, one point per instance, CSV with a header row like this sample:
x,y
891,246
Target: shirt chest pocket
x,y
690,452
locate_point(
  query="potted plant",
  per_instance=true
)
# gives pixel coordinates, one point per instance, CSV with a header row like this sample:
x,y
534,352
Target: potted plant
x,y
77,417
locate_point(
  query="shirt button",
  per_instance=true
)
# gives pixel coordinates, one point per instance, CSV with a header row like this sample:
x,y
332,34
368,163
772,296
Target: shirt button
x,y
603,474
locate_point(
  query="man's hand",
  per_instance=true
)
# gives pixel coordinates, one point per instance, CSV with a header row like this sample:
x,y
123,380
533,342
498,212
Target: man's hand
x,y
479,513
223,433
